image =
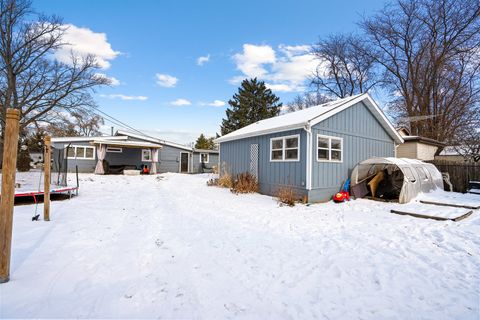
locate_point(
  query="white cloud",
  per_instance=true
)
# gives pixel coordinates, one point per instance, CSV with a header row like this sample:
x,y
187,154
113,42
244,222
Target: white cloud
x,y
286,69
113,81
165,80
281,87
253,58
203,59
124,97
214,103
181,102
82,42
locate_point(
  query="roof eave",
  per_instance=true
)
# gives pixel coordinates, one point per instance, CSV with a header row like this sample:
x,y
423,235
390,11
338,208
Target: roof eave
x,y
262,132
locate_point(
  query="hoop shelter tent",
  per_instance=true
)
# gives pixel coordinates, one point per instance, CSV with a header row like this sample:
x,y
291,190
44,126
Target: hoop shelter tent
x,y
399,179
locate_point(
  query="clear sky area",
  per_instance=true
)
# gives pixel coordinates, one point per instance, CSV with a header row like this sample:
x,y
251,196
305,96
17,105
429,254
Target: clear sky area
x,y
175,64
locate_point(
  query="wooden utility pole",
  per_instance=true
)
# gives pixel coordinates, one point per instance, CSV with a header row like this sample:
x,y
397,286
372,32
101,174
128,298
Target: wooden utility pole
x,y
46,177
10,148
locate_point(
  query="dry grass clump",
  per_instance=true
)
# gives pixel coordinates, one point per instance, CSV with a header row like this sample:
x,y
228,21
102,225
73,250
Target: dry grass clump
x,y
245,183
286,196
225,179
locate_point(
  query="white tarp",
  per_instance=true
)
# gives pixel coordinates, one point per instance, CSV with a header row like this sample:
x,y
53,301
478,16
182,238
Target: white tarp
x,y
418,175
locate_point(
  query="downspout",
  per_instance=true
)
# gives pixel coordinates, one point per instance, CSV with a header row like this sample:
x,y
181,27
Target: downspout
x,y
308,163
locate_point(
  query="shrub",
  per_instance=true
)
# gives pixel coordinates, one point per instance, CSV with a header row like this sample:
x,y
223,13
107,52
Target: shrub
x,y
225,180
245,183
286,196
23,160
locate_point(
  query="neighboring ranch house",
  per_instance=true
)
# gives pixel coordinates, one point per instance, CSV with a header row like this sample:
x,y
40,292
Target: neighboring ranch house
x,y
417,147
126,150
313,150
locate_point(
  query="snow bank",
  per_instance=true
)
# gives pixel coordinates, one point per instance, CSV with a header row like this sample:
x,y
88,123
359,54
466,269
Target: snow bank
x,y
147,247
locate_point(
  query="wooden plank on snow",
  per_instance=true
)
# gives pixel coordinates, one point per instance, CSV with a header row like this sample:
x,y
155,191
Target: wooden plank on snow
x,y
447,204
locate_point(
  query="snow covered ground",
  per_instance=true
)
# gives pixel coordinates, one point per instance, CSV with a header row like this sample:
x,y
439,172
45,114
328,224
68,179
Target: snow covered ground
x,y
147,247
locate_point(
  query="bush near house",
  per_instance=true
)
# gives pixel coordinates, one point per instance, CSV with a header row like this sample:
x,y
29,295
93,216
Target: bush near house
x,y
245,183
286,196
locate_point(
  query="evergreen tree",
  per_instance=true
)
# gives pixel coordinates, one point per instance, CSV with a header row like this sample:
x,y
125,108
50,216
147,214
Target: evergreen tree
x,y
204,143
252,103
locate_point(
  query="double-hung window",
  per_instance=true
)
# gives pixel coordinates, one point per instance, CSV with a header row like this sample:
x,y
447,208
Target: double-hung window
x,y
329,149
81,152
285,148
204,157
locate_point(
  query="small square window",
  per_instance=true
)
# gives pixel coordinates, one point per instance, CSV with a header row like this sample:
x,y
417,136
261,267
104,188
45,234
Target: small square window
x,y
146,155
329,148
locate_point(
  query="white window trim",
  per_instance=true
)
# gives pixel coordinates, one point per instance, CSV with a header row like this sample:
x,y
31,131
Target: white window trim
x,y
330,148
114,150
74,147
208,157
284,149
146,160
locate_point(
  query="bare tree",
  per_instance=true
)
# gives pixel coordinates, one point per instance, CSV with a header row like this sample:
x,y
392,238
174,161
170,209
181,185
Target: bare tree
x,y
306,100
87,123
468,145
30,79
345,68
429,51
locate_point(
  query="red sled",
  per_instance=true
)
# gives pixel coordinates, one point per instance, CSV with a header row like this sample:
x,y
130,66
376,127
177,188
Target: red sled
x,y
341,196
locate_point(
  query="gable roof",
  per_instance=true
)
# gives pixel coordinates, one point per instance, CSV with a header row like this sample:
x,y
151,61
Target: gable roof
x,y
306,118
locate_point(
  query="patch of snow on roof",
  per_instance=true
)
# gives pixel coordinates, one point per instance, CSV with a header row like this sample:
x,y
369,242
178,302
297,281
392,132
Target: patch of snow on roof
x,y
291,120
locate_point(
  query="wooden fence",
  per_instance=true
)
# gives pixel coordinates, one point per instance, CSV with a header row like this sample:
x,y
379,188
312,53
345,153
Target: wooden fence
x,y
460,172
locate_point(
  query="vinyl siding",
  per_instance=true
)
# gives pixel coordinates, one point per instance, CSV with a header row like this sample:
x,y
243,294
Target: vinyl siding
x,y
363,138
235,157
197,166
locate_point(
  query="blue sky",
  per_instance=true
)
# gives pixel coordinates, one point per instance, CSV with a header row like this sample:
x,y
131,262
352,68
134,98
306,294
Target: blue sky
x,y
153,51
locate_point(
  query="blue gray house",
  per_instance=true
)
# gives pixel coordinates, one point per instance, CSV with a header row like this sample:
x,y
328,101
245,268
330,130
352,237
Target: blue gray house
x,y
313,150
127,150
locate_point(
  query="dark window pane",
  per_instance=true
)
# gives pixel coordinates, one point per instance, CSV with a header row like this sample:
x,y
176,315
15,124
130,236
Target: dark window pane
x,y
336,144
89,153
80,152
71,152
277,144
322,154
292,154
291,142
322,143
277,155
336,155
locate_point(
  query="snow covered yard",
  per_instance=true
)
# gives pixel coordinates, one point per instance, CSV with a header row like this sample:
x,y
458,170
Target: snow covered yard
x,y
145,247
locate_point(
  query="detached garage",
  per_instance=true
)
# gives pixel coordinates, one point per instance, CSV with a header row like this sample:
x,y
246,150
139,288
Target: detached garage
x,y
311,151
